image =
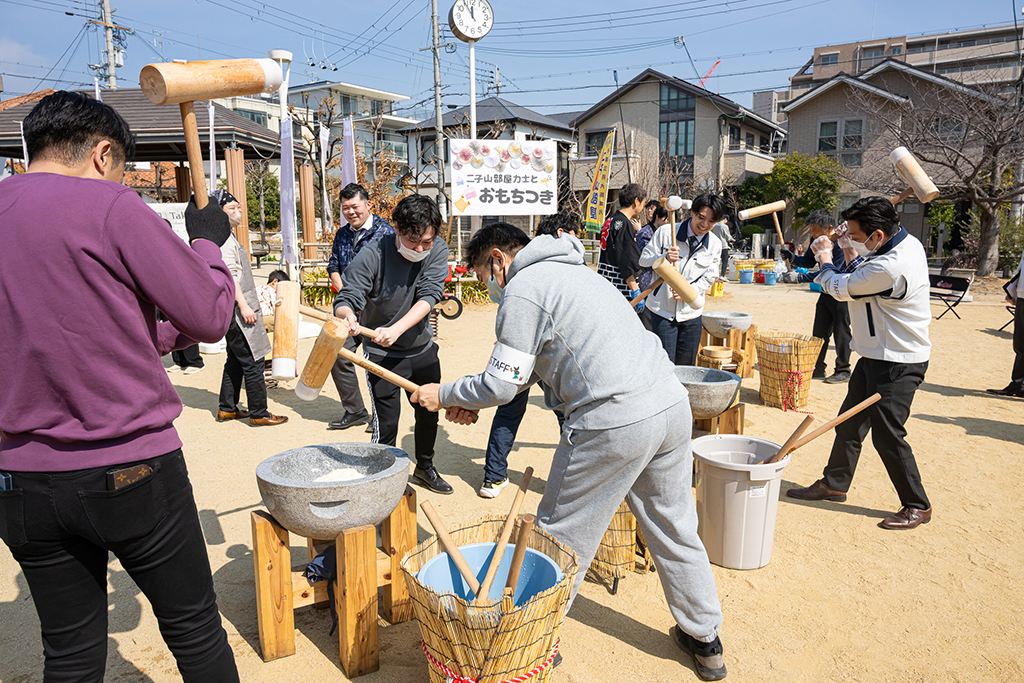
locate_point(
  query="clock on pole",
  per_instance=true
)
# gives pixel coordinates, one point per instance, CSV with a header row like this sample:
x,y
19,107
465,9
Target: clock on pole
x,y
470,20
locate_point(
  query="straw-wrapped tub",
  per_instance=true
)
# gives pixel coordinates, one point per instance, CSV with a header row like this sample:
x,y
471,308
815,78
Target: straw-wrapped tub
x,y
785,363
494,641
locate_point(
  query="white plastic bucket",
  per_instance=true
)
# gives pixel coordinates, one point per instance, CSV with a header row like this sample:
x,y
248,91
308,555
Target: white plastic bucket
x,y
210,349
737,498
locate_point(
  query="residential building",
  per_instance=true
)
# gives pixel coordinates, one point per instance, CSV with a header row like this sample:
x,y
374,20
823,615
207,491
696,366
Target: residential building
x,y
842,117
970,56
671,134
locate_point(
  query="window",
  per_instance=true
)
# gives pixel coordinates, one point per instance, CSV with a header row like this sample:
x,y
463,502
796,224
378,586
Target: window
x,y
675,101
897,50
259,117
749,140
766,145
830,60
348,105
677,138
851,159
828,132
594,143
853,134
949,129
428,151
871,57
734,137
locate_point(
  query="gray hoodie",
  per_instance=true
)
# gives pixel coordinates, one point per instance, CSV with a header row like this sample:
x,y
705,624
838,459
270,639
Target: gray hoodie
x,y
597,362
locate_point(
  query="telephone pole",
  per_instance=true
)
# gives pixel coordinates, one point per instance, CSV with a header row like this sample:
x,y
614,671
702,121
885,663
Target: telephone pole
x,y
438,128
108,28
497,80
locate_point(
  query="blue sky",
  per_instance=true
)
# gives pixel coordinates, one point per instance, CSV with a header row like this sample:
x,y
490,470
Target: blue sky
x,y
552,56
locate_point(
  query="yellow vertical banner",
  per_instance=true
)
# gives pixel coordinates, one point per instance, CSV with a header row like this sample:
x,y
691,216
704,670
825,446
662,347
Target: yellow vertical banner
x,y
599,190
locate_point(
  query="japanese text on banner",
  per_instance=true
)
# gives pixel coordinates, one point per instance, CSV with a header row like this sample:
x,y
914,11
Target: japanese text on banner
x,y
504,177
599,190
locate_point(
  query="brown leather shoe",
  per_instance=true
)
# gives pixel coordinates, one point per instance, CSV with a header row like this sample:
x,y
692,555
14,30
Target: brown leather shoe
x,y
907,518
817,491
269,420
223,415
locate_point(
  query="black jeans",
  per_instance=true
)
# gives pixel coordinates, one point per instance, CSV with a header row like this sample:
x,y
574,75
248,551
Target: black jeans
x,y
423,368
344,375
188,358
897,383
1017,378
680,340
60,527
239,364
832,318
504,427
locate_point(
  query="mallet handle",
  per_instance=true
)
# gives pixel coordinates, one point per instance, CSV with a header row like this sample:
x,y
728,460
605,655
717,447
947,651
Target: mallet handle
x,y
195,154
506,533
449,546
901,196
367,332
869,401
646,293
525,529
788,446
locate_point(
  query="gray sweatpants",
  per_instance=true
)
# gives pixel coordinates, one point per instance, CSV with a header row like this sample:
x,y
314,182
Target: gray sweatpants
x,y
649,464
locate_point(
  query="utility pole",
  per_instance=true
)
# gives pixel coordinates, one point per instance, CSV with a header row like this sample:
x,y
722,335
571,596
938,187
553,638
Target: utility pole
x,y
438,129
108,28
497,80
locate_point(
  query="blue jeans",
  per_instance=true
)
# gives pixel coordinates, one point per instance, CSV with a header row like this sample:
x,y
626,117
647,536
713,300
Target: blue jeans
x,y
681,340
504,426
60,527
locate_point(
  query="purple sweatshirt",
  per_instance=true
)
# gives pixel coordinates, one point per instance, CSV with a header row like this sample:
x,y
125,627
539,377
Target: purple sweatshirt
x,y
84,264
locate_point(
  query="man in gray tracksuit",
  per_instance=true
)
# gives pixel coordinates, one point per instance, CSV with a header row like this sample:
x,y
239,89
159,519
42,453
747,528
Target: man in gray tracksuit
x,y
627,417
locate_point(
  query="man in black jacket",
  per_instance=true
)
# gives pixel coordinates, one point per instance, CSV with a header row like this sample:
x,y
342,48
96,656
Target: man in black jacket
x,y
831,317
620,255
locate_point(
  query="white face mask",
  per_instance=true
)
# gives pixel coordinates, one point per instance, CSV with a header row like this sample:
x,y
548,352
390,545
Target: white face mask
x,y
235,218
494,290
412,254
862,249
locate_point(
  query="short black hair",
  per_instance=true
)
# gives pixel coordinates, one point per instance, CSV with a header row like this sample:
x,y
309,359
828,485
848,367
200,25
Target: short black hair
x,y
414,214
711,201
659,212
874,213
651,203
65,126
507,238
550,225
630,193
353,190
278,275
822,217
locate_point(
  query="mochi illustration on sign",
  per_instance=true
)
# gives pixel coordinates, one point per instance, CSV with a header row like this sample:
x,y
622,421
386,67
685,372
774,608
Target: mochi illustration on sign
x,y
504,177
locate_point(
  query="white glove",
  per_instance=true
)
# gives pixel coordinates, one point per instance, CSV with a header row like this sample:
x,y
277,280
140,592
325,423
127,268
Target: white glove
x,y
821,244
844,239
791,277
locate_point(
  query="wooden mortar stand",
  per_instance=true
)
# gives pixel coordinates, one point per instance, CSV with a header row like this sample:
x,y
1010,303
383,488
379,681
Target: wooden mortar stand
x,y
737,341
362,569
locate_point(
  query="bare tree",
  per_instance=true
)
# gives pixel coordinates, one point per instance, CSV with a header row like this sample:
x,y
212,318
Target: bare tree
x,y
256,177
323,111
970,139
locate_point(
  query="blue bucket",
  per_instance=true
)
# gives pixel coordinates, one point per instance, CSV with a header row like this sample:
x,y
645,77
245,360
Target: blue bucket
x,y
770,278
815,287
746,276
538,574
803,271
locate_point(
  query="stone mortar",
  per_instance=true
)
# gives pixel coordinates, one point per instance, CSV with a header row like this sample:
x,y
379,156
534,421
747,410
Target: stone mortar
x,y
718,323
322,510
711,391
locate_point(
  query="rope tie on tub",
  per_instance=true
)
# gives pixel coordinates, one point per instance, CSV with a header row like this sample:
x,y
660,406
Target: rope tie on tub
x,y
456,678
794,385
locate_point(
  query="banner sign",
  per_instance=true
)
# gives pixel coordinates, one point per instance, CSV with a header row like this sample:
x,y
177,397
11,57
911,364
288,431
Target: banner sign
x,y
504,177
289,246
599,190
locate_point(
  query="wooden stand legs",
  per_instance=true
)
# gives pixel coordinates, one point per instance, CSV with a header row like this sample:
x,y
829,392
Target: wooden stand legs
x,y
362,569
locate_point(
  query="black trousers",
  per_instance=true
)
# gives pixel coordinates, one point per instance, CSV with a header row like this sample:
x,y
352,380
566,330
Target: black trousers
x,y
423,368
1017,378
60,528
832,318
188,358
344,375
239,364
680,340
897,383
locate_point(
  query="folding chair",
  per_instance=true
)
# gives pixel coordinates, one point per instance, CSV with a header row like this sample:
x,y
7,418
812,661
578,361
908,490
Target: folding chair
x,y
1013,315
949,290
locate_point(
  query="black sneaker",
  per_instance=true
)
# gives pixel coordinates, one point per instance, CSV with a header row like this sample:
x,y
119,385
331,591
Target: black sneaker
x,y
1011,390
492,487
432,480
838,378
818,374
350,420
708,657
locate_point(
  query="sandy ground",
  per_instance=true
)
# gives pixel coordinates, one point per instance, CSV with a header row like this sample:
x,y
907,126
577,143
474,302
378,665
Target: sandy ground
x,y
841,600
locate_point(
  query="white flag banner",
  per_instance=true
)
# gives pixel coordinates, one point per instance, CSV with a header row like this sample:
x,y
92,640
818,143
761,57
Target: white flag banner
x,y
289,247
96,86
213,154
24,145
348,153
325,137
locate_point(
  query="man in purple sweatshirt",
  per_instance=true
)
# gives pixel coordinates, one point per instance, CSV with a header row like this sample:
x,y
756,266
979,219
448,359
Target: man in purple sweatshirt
x,y
90,462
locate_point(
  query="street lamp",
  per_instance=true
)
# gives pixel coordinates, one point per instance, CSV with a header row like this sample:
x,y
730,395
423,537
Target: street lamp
x,y
282,57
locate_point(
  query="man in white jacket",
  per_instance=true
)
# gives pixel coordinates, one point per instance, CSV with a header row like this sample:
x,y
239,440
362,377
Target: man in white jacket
x,y
697,257
886,282
1013,291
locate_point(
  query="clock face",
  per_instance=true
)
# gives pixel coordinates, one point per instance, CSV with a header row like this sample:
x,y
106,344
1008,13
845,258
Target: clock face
x,y
470,19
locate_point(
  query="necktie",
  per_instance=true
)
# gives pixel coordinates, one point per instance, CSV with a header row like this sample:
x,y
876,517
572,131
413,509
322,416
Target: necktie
x,y
694,243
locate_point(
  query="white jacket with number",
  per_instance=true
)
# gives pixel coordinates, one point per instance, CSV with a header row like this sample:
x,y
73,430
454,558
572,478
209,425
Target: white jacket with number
x,y
889,301
700,269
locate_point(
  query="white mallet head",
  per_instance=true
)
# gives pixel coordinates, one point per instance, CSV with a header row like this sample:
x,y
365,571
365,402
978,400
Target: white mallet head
x,y
675,202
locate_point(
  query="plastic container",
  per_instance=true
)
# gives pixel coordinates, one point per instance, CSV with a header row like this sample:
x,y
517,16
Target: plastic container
x,y
539,572
746,276
815,287
770,278
211,349
737,498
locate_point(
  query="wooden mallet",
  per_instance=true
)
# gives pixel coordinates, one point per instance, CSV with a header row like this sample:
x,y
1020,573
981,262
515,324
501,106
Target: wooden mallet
x,y
667,272
764,209
673,204
285,362
506,533
920,183
183,83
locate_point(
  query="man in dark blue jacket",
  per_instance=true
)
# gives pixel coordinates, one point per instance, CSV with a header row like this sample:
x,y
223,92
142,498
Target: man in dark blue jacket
x,y
831,317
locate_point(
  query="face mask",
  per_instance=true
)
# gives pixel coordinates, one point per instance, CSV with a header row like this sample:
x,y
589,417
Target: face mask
x,y
235,218
411,254
862,249
494,291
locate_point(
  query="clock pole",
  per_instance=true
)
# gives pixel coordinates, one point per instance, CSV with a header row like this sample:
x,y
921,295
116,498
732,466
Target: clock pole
x,y
472,90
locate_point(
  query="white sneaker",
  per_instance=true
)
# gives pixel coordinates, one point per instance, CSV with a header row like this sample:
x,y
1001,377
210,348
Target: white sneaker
x,y
193,369
174,368
491,488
